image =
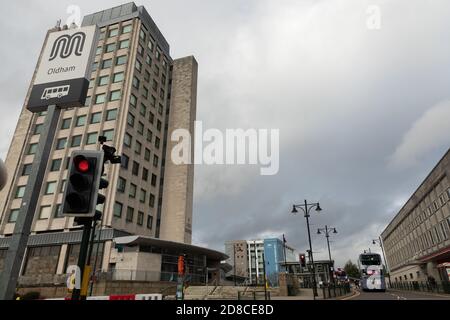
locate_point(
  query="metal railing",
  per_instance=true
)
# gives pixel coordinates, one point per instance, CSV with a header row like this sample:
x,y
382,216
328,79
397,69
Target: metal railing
x,y
330,291
254,295
433,287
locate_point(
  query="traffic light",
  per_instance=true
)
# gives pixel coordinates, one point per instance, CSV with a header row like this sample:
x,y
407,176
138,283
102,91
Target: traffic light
x,y
303,261
84,181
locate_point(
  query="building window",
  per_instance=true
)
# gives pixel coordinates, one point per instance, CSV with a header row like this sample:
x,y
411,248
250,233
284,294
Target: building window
x,y
138,66
140,128
142,35
91,138
140,220
147,154
13,215
110,47
107,64
118,210
87,102
26,170
155,161
76,141
138,147
150,46
56,165
38,129
136,83
152,201
130,120
32,149
58,212
100,98
127,140
127,29
66,124
150,222
99,51
159,126
109,135
111,115
133,101
20,192
115,95
124,44
45,213
143,196
147,76
154,180
62,187
113,32
135,170
81,121
121,185
118,77
151,118
121,60
96,118
61,144
149,135
144,174
50,188
130,214
103,81
125,161
157,143
133,189
143,110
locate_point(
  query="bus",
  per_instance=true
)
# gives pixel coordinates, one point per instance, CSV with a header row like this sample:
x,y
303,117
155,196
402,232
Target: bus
x,y
55,92
372,272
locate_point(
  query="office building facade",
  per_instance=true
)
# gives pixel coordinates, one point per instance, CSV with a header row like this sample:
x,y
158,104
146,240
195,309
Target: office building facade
x,y
137,96
417,240
247,259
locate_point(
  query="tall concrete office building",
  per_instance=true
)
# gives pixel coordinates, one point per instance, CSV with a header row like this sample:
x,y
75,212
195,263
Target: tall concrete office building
x,y
138,95
417,240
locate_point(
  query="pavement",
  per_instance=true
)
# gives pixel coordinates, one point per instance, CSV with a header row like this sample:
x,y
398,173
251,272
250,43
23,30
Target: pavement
x,y
397,295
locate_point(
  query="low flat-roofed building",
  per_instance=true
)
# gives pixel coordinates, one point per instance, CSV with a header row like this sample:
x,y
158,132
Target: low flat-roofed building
x,y
417,240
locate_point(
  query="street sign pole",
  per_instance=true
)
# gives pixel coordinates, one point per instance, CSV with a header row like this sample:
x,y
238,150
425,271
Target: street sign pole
x,y
19,240
77,294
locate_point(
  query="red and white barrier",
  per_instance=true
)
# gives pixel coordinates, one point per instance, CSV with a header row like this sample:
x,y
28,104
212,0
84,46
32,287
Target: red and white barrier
x,y
129,297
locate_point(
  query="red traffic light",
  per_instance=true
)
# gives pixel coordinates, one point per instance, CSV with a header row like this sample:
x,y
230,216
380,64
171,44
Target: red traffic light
x,y
82,164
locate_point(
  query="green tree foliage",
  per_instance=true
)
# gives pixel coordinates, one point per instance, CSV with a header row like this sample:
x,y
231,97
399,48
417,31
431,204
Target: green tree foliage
x,y
352,270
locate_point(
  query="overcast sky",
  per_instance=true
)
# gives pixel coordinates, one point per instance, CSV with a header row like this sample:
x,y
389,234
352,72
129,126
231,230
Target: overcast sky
x,y
363,113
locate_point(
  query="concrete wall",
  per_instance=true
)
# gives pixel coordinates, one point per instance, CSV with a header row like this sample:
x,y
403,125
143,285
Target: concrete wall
x,y
176,217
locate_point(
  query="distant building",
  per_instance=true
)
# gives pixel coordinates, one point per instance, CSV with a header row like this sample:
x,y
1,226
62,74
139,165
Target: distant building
x,y
248,256
417,240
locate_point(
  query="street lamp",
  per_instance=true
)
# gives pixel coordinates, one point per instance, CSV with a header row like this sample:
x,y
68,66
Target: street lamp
x,y
306,208
327,231
380,242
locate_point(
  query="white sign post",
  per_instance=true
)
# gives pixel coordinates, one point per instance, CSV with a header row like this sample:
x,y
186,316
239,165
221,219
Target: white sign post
x,y
61,82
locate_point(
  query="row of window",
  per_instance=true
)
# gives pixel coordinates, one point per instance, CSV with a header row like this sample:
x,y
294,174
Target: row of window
x,y
122,185
118,211
432,237
75,141
417,217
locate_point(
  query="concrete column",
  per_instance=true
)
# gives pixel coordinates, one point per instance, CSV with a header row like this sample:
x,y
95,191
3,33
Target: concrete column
x,y
62,259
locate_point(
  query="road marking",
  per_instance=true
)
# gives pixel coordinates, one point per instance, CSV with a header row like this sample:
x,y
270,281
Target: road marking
x,y
358,293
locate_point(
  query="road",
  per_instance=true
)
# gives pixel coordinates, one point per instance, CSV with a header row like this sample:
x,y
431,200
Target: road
x,y
398,295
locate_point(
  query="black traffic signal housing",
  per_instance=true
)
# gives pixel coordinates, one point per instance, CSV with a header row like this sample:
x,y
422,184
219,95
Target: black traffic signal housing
x,y
83,184
303,261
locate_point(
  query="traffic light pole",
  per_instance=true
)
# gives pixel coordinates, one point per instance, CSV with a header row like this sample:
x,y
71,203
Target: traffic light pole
x,y
76,295
19,240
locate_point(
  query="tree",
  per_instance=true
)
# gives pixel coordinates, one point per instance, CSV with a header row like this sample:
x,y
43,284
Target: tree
x,y
352,270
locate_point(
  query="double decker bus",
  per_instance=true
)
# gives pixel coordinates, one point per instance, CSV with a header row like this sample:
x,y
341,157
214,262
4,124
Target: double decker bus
x,y
372,272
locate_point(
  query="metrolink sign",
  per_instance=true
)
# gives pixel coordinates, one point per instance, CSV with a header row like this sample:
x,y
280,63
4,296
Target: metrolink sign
x,y
63,73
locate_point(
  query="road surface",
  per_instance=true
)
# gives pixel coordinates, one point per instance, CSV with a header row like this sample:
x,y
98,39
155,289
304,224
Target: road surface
x,y
398,295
